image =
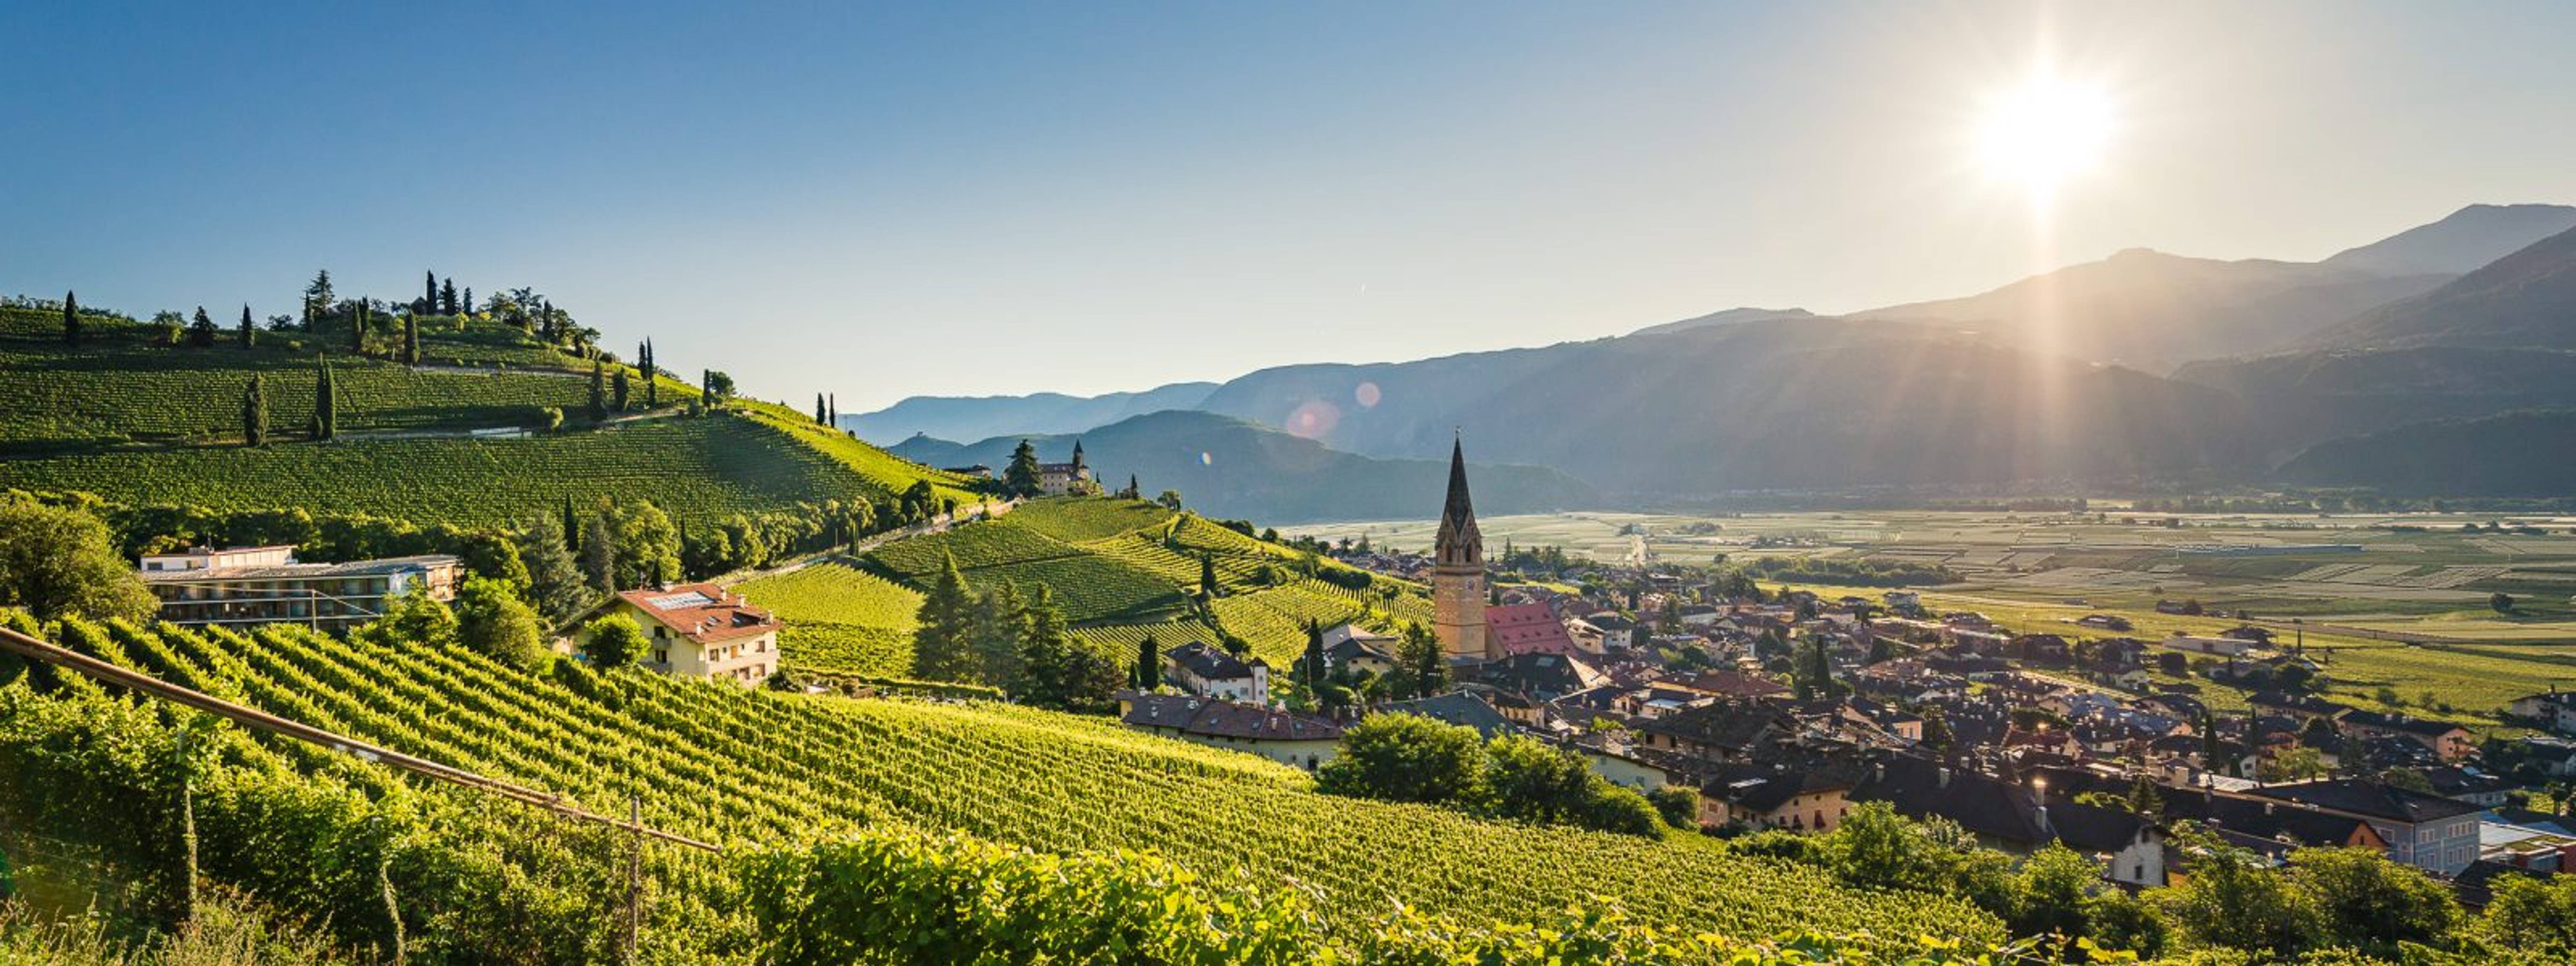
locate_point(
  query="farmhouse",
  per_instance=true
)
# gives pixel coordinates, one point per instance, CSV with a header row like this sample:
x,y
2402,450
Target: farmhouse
x,y
265,585
1285,737
699,630
1212,673
2554,710
1763,797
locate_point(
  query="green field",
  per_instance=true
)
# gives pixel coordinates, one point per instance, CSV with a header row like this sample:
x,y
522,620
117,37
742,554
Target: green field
x,y
751,768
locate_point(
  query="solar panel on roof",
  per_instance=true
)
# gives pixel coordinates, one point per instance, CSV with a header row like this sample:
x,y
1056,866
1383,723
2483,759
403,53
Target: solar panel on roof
x,y
679,601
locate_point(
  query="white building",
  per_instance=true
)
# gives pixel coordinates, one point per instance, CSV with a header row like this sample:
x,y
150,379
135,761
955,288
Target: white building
x,y
699,630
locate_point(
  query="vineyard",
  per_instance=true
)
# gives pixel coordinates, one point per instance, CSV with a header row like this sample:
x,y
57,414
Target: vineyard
x,y
698,469
117,390
751,769
840,617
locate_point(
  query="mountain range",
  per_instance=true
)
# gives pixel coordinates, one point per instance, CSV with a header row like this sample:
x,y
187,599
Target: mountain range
x,y
2143,366
1228,467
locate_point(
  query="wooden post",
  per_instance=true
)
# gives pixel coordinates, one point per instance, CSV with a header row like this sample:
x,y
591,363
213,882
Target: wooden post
x,y
187,826
635,877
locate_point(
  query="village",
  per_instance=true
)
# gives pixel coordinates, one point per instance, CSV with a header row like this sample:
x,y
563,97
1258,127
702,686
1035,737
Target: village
x,y
1784,710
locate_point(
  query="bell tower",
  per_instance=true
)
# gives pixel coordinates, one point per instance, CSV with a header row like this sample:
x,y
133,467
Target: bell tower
x,y
1458,572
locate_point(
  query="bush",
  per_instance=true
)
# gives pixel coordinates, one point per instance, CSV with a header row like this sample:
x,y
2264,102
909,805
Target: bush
x,y
1406,758
1678,804
612,641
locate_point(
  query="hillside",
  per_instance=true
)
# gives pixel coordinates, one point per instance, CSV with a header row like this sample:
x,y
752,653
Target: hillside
x,y
1120,570
2151,310
2523,454
1727,317
2302,398
1229,467
2461,242
2524,300
136,420
976,417
478,880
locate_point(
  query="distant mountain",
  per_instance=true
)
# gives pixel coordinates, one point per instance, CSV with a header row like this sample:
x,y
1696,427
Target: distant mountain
x,y
976,417
2298,399
1227,467
1820,403
2462,242
1727,317
2151,310
2521,454
2524,300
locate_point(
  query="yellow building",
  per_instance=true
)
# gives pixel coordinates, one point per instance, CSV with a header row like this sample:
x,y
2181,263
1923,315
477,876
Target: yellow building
x,y
699,630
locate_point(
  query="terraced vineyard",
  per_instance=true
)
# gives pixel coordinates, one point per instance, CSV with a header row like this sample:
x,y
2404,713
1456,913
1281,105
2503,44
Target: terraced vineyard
x,y
754,768
841,618
698,469
1275,620
120,389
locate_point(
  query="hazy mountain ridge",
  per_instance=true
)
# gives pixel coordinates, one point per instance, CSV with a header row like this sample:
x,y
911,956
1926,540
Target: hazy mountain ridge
x,y
2461,242
1231,468
2516,454
2526,299
976,417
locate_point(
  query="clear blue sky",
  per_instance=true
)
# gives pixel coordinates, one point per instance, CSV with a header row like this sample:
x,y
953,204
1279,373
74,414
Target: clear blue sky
x,y
968,198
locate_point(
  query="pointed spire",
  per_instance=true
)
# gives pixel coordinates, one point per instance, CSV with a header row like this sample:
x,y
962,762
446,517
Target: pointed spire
x,y
1458,541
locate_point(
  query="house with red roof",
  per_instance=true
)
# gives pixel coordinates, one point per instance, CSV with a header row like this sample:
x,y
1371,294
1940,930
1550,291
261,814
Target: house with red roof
x,y
699,630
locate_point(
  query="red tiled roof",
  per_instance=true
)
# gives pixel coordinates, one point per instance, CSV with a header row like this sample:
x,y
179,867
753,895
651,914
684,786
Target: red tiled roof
x,y
704,613
1527,629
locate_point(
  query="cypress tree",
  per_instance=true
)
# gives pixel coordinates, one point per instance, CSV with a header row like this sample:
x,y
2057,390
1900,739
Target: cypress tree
x,y
1149,665
818,410
465,303
571,527
835,408
598,392
652,392
71,319
1207,575
447,297
358,328
255,413
618,389
249,334
411,339
325,414
429,292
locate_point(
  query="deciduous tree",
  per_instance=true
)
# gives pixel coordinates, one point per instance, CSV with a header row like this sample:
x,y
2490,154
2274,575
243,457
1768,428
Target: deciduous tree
x,y
58,561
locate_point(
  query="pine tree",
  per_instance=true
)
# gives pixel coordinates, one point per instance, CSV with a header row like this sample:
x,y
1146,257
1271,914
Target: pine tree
x,y
318,300
599,555
1020,479
555,585
325,406
598,392
71,319
249,333
447,297
201,329
940,650
617,389
411,339
255,413
994,634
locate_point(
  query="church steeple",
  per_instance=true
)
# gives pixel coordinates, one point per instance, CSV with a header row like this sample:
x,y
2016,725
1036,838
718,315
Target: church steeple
x,y
1458,573
1459,543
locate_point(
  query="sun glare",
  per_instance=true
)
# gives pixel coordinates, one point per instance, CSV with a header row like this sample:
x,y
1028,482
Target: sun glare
x,y
2045,132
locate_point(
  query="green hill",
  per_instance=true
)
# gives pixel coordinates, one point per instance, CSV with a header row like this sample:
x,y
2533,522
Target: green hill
x,y
139,421
1120,570
329,838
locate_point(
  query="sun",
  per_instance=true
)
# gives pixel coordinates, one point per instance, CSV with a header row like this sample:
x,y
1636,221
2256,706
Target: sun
x,y
2045,132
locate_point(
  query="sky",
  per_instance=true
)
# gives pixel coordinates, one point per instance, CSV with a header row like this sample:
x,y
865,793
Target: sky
x,y
962,198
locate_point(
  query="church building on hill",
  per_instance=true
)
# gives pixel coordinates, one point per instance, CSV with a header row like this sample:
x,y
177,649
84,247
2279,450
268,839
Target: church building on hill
x,y
1067,479
1458,575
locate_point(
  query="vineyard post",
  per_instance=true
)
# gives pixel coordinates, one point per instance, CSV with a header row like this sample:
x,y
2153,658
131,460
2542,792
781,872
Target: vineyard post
x,y
635,876
187,829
